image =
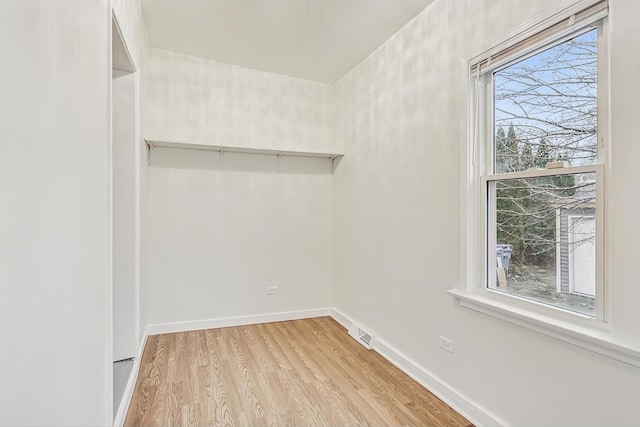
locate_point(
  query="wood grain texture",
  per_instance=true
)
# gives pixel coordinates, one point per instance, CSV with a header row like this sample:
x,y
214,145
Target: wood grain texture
x,y
298,373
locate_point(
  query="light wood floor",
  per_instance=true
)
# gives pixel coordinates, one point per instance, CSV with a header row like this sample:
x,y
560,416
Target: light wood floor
x,y
297,373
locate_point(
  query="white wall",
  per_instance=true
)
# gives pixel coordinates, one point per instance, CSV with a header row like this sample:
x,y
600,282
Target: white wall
x,y
197,100
625,175
220,234
397,222
219,238
54,215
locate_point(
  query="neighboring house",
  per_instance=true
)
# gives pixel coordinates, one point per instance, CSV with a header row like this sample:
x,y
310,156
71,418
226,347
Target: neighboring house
x,y
575,243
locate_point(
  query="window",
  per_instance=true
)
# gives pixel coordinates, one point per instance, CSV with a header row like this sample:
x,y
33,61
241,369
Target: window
x,y
535,170
539,140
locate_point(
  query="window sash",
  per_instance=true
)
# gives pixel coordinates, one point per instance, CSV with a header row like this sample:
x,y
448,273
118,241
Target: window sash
x,y
487,183
484,101
535,173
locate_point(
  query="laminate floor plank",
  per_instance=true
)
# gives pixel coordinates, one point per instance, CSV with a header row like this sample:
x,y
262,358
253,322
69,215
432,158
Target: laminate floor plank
x,y
299,373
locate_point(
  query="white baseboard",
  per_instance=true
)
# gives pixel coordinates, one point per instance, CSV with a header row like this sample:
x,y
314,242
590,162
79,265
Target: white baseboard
x,y
167,328
339,317
118,420
478,415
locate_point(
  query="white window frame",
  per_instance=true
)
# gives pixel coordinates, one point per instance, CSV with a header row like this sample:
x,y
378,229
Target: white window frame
x,y
483,141
575,328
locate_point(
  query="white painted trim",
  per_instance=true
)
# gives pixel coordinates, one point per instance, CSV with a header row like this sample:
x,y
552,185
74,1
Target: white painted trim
x,y
194,325
593,339
108,297
341,318
535,173
118,420
473,412
138,206
558,252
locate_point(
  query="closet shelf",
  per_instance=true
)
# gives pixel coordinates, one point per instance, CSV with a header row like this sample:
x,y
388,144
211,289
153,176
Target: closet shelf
x,y
153,143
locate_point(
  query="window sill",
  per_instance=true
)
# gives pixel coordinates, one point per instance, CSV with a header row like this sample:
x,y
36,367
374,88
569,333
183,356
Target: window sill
x,y
592,339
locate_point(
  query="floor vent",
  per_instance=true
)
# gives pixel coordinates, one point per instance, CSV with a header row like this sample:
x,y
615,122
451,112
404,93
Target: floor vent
x,y
363,337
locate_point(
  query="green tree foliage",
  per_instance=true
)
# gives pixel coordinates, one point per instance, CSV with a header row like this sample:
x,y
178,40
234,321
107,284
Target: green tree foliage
x,y
526,208
543,154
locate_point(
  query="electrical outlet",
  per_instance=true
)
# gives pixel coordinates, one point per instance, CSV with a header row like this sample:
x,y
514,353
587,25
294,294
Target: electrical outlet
x,y
272,290
446,344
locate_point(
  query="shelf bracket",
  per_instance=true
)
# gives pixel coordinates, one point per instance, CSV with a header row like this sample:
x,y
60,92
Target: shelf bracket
x,y
279,157
333,163
221,158
149,150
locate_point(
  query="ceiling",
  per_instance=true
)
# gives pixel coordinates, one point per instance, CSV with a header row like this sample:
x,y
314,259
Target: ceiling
x,y
318,40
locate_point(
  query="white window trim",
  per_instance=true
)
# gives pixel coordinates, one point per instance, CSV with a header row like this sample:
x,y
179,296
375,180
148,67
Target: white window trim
x,y
583,331
586,337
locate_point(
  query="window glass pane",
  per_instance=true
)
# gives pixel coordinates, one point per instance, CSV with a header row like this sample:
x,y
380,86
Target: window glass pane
x,y
545,239
545,107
